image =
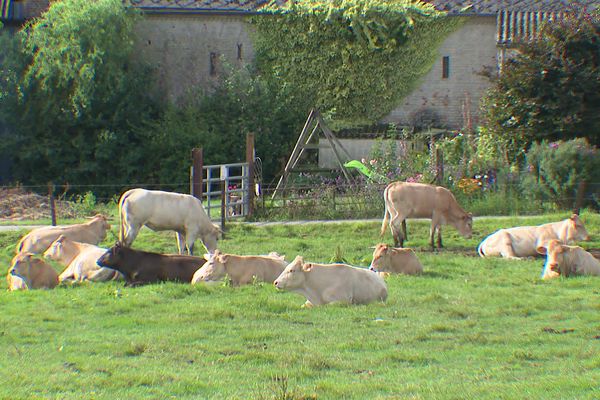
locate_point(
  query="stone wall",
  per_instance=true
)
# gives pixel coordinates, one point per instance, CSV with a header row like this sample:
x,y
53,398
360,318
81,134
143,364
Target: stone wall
x,y
191,51
440,102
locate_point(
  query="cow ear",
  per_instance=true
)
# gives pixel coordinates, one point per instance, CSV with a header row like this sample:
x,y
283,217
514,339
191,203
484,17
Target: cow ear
x,y
307,267
574,217
541,250
223,259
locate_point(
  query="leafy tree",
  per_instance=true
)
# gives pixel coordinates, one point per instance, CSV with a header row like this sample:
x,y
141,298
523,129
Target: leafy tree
x,y
550,89
243,103
77,97
353,59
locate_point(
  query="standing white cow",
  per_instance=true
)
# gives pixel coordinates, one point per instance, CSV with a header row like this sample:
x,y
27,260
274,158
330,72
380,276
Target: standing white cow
x,y
161,211
523,241
330,283
418,200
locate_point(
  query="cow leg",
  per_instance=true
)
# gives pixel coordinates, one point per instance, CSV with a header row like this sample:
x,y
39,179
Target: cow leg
x,y
505,247
396,226
439,237
432,236
190,238
404,231
129,234
180,243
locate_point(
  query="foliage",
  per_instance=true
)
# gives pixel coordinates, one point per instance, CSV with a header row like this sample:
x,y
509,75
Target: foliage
x,y
218,122
556,169
550,89
76,97
354,60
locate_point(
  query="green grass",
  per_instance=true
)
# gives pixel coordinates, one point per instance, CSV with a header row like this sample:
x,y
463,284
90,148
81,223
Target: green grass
x,y
468,328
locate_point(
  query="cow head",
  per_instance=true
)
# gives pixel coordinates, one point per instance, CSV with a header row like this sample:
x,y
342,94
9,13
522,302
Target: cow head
x,y
464,225
113,257
556,262
214,268
381,258
575,230
56,249
23,265
102,222
210,239
292,276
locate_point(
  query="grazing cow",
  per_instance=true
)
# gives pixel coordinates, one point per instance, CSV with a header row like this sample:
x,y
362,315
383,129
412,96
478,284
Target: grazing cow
x,y
80,261
38,240
523,241
162,211
35,273
240,269
329,283
141,267
417,200
567,260
395,260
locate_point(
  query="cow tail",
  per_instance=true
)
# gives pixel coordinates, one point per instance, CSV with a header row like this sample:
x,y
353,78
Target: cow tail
x,y
121,218
386,213
480,249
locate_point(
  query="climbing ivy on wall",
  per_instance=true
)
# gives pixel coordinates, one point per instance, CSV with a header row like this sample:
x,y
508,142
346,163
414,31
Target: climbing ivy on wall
x,y
353,59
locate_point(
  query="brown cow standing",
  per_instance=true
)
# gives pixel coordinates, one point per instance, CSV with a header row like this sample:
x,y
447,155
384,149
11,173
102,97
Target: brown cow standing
x,y
141,267
417,200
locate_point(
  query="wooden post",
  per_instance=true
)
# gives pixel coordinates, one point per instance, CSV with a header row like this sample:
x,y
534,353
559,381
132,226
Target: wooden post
x,y
52,204
197,173
223,205
250,161
579,197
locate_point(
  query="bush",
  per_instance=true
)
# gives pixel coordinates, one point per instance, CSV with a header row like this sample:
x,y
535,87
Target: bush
x,y
555,170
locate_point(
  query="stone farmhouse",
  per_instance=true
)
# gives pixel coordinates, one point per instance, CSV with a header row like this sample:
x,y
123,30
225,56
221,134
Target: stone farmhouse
x,y
188,41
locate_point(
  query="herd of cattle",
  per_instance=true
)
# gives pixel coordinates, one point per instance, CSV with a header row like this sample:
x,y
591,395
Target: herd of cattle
x,y
74,247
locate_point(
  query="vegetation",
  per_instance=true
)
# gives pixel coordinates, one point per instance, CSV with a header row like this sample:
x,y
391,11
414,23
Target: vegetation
x,y
354,60
550,89
467,328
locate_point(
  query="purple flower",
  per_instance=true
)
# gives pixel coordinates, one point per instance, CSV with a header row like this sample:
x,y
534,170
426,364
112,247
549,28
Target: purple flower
x,y
553,145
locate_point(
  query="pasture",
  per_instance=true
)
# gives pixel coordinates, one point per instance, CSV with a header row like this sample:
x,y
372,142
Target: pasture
x,y
467,328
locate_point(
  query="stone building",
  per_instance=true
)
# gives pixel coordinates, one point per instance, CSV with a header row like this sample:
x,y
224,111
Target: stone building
x,y
190,42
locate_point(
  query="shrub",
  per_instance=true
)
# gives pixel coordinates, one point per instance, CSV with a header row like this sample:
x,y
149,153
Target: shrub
x,y
555,170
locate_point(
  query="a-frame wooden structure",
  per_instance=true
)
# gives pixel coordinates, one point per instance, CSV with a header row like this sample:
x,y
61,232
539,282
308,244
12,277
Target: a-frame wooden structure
x,y
314,124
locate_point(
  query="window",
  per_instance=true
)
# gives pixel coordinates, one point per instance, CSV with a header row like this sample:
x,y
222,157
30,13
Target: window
x,y
445,67
239,52
213,64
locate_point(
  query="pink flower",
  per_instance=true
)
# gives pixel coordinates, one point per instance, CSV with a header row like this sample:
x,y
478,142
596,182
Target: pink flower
x,y
553,145
373,162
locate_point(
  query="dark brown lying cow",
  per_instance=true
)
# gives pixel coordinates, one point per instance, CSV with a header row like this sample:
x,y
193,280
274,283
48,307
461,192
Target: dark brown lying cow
x,y
141,267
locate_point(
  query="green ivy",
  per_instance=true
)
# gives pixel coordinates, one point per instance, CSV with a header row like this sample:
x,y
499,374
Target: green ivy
x,y
355,60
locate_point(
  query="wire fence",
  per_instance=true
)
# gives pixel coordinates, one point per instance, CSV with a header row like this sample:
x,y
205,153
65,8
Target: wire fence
x,y
362,199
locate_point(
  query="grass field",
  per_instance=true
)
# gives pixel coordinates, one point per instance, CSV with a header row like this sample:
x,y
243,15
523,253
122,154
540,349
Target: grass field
x,y
468,328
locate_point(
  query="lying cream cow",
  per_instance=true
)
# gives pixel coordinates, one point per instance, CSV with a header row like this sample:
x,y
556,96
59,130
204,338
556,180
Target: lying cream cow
x,y
240,269
38,240
329,283
523,241
395,260
35,273
567,260
80,261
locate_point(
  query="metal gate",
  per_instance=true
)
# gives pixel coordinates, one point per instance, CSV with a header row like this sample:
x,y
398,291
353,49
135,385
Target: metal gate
x,y
225,186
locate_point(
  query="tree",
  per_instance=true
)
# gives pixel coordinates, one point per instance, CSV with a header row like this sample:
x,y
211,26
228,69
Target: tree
x,y
550,89
77,97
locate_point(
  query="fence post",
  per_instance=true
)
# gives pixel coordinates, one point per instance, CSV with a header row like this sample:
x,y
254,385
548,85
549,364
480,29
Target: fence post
x,y
52,203
223,205
197,173
579,197
250,161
